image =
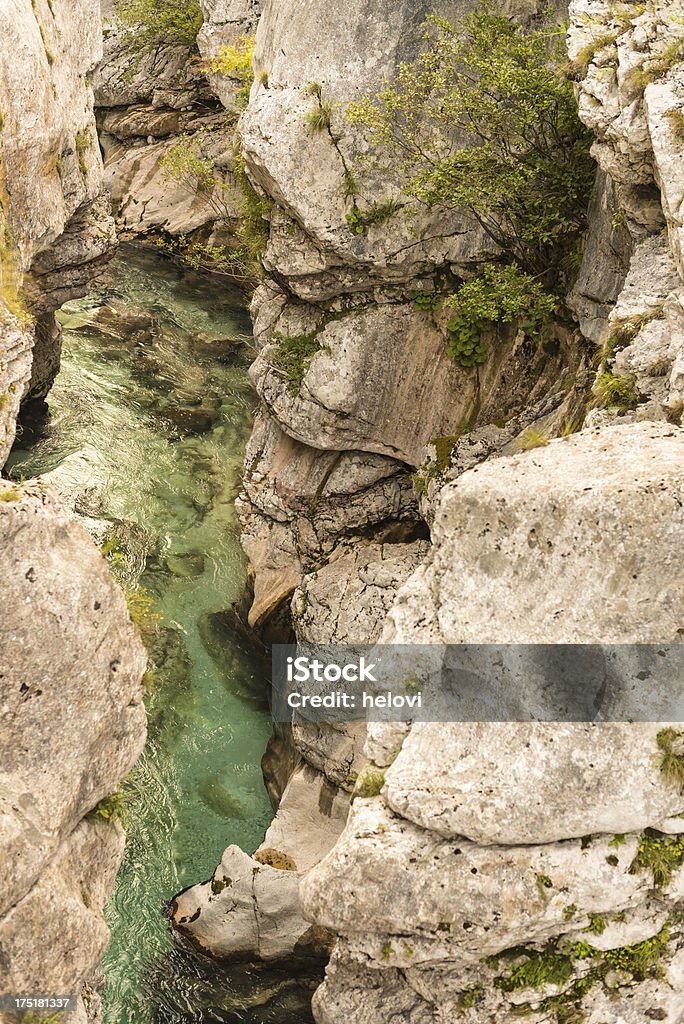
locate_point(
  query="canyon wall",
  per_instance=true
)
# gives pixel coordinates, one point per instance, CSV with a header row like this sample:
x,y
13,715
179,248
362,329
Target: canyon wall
x,y
494,869
73,721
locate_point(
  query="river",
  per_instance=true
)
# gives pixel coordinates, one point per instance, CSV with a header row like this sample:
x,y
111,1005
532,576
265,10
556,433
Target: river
x,y
146,430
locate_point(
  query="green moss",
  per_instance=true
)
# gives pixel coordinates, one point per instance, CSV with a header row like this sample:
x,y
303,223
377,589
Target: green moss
x,y
660,854
369,782
569,912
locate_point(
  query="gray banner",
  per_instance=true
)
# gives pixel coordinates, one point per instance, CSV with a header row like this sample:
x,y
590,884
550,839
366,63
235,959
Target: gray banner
x,y
479,683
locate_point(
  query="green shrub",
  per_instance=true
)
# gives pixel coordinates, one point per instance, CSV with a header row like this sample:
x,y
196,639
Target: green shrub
x,y
189,165
148,25
525,173
234,61
500,294
293,355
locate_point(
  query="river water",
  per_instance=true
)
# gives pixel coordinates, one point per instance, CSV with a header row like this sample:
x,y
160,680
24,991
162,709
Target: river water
x,y
146,429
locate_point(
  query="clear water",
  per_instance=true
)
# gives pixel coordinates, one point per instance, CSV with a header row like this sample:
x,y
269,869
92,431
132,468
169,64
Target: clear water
x,y
147,424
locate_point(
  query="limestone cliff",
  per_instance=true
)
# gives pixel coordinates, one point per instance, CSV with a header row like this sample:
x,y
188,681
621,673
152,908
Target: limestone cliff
x,y
502,869
71,662
55,222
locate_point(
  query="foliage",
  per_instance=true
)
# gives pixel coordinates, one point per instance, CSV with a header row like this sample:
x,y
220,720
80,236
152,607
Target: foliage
x,y
660,854
293,355
531,439
377,213
482,120
500,294
616,391
193,169
369,782
671,759
234,61
150,25
676,119
597,924
569,911
12,494
554,965
83,141
539,970
110,807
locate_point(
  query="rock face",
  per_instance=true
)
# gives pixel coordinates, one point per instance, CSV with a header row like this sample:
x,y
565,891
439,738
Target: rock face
x,y
55,223
513,839
73,721
147,103
535,845
73,724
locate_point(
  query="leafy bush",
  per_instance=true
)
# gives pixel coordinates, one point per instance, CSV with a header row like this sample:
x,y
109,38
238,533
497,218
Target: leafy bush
x,y
233,202
234,61
500,294
149,25
484,121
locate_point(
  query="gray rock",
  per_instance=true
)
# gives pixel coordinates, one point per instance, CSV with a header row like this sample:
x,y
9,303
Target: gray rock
x,y
73,724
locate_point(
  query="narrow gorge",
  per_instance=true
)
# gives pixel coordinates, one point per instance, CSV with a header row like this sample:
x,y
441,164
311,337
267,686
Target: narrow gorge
x,y
454,418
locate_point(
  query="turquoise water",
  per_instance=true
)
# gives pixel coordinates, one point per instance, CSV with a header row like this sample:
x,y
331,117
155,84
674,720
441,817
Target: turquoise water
x,y
146,428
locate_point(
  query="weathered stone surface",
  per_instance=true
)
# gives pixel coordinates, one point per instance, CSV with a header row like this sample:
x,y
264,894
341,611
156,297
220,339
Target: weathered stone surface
x,y
346,601
73,724
503,778
465,902
517,522
54,221
225,21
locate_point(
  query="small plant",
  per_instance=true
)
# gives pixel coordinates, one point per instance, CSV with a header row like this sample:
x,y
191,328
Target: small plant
x,y
671,747
642,960
500,294
110,807
580,64
293,355
617,391
234,61
369,782
320,118
544,883
660,854
537,971
387,951
12,494
83,141
426,301
676,119
597,924
569,912
532,439
470,997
